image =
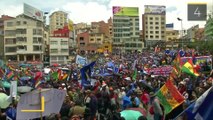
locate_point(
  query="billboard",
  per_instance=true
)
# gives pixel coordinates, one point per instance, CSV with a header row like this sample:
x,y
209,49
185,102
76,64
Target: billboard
x,y
33,12
125,11
155,9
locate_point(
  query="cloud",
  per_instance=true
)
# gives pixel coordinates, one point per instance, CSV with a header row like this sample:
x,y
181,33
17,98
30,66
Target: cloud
x,y
171,9
89,12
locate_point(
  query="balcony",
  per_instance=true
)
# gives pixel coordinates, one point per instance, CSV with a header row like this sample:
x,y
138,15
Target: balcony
x,y
21,51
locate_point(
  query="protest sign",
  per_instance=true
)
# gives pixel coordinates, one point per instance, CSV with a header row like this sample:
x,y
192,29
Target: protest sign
x,y
81,60
32,101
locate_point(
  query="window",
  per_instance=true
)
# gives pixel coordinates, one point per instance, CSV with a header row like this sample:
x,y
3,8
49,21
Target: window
x,y
151,23
139,45
81,38
36,48
162,32
64,43
82,44
99,39
61,58
53,50
156,36
151,36
156,18
151,18
34,31
162,22
18,23
92,39
156,23
39,24
53,42
151,27
10,49
25,22
64,50
151,32
53,58
156,27
157,32
10,41
9,24
146,31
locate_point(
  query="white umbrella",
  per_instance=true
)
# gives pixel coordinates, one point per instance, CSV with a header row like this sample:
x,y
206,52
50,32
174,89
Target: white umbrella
x,y
4,100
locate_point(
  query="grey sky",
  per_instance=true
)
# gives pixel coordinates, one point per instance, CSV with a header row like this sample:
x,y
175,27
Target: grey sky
x,y
96,10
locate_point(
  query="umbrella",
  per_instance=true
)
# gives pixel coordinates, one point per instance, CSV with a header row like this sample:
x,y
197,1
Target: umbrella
x,y
25,78
130,114
24,89
5,84
4,103
141,110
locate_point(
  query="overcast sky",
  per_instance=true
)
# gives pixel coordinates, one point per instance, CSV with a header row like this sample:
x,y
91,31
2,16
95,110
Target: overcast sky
x,y
96,10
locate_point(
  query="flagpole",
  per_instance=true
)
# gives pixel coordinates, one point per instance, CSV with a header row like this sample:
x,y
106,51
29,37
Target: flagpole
x,y
41,103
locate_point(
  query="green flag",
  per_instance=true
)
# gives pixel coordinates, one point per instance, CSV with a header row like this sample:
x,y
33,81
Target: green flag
x,y
134,77
55,75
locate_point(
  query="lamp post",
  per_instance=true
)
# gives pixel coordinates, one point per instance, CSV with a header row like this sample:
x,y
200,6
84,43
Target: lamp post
x,y
181,20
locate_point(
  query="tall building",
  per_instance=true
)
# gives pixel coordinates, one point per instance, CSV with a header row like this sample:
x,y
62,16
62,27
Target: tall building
x,y
58,20
2,19
59,47
126,34
23,40
154,24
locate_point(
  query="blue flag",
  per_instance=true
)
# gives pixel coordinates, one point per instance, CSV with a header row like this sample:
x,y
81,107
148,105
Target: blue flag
x,y
86,73
202,108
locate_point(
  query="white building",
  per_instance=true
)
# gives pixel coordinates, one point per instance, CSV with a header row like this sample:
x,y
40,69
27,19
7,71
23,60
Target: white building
x,y
23,40
59,50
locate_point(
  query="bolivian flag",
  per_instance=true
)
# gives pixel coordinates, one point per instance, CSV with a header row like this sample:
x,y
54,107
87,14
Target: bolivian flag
x,y
169,97
188,68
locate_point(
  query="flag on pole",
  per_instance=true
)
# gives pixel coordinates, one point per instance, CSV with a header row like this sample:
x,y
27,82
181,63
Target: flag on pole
x,y
10,75
169,97
134,77
86,73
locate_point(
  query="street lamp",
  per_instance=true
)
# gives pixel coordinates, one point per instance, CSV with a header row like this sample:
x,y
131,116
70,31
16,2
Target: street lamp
x,y
181,20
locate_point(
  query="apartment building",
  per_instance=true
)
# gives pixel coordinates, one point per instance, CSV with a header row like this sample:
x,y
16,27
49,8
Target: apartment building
x,y
2,19
58,20
23,40
154,24
126,34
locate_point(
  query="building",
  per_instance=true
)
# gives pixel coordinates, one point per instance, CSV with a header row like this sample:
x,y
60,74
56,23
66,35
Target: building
x,y
190,36
58,20
82,41
126,29
200,34
2,19
23,40
154,25
172,35
59,47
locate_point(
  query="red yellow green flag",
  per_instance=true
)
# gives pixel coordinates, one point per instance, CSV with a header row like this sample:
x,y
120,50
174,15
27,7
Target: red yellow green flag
x,y
169,97
188,68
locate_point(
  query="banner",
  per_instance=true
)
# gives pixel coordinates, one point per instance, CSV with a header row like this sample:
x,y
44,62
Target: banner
x,y
161,71
33,12
204,61
81,60
155,9
32,101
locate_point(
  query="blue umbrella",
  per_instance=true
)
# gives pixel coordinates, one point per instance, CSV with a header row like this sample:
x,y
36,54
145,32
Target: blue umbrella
x,y
25,78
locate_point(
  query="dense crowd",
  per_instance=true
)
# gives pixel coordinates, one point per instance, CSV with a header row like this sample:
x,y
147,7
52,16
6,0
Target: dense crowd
x,y
120,96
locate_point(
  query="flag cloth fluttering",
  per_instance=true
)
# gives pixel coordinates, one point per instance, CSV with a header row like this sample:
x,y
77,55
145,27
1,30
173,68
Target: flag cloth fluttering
x,y
169,97
188,68
86,73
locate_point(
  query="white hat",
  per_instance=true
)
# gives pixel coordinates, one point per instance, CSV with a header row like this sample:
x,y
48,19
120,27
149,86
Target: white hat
x,y
128,78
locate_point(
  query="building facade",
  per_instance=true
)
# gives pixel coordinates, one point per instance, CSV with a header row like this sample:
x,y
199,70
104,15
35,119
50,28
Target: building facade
x,y
2,19
82,42
23,40
58,20
126,34
154,24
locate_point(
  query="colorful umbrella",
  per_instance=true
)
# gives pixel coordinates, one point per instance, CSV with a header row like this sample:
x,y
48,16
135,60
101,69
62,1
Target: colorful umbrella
x,y
141,110
130,114
4,100
5,84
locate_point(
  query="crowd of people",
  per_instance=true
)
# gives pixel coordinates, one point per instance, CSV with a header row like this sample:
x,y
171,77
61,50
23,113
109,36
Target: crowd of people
x,y
121,95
